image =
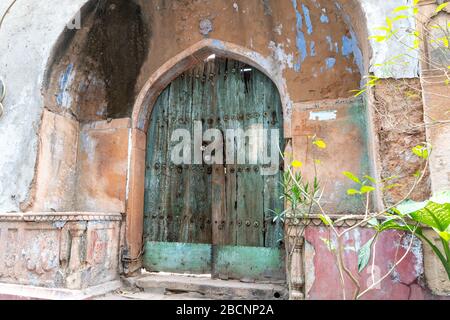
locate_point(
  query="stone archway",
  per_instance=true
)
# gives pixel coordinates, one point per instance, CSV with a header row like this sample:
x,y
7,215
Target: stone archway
x,y
143,109
270,57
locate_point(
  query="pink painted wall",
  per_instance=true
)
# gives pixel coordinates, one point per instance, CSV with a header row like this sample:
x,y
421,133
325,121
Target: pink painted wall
x,y
322,274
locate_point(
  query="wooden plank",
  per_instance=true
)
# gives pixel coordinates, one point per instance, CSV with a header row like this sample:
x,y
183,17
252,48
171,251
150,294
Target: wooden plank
x,y
249,181
177,257
154,179
272,187
249,263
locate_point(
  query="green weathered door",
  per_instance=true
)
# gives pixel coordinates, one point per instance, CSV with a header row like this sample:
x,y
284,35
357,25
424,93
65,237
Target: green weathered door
x,y
202,218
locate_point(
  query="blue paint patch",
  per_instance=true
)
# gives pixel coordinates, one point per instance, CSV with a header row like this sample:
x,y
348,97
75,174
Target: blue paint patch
x,y
307,19
324,18
330,62
347,46
349,70
218,44
64,84
312,47
300,41
352,43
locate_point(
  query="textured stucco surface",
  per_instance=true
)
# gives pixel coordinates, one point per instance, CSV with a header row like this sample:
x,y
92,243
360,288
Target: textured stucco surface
x,y
376,14
405,283
26,41
27,38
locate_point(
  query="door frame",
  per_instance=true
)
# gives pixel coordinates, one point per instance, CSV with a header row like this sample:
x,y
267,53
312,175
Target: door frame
x,y
133,240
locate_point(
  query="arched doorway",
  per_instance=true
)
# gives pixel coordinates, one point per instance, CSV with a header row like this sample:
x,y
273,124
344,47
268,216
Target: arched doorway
x,y
212,174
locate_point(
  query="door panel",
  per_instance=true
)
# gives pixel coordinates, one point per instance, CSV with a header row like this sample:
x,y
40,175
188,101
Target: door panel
x,y
202,218
178,257
249,263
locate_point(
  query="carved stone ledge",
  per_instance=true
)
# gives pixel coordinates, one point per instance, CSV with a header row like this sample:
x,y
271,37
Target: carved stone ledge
x,y
60,216
64,250
338,221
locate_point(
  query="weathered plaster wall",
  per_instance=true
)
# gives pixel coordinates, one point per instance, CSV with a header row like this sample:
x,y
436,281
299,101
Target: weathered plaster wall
x,y
399,125
322,280
281,31
343,125
309,42
54,188
376,14
26,40
102,166
30,32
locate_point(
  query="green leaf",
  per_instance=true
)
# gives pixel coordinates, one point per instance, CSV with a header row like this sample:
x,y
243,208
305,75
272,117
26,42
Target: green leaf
x,y
378,38
393,224
409,206
326,220
366,189
401,8
400,17
320,144
374,222
442,7
434,213
445,235
392,186
371,179
421,152
364,255
351,176
352,192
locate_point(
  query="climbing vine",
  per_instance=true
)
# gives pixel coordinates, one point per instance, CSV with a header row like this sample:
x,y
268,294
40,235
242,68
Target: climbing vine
x,y
428,45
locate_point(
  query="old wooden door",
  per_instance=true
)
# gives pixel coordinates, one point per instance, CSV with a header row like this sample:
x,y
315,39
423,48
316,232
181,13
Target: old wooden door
x,y
214,219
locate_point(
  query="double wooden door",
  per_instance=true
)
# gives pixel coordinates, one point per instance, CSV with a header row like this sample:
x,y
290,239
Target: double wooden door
x,y
214,219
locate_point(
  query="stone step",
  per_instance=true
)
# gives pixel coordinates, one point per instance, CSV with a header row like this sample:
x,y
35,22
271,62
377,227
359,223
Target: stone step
x,y
211,288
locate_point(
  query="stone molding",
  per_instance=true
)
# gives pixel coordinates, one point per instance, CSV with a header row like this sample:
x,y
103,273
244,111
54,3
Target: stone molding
x,y
314,220
60,216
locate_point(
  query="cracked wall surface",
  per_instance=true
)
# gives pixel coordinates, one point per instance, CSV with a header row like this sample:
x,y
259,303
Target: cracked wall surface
x,y
29,35
66,138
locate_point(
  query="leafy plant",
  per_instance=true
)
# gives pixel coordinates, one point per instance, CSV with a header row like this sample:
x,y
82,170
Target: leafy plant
x,y
433,214
413,217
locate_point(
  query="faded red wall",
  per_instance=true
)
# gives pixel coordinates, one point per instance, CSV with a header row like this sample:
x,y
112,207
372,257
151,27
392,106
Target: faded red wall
x,y
322,274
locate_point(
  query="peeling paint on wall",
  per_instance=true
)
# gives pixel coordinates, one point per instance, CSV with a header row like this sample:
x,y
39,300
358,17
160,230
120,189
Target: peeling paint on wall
x,y
301,42
310,270
323,115
63,98
382,52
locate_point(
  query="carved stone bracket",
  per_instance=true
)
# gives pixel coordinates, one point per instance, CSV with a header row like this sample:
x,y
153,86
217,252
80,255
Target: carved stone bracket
x,y
295,260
